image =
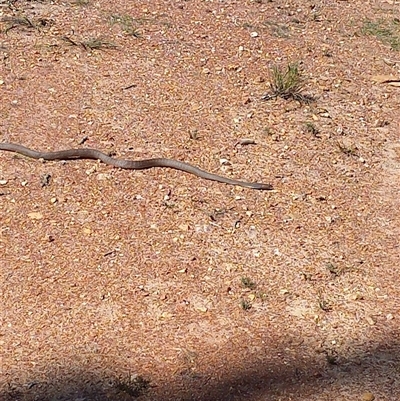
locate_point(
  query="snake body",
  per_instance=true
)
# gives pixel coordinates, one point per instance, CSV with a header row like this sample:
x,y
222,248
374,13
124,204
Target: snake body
x,y
87,153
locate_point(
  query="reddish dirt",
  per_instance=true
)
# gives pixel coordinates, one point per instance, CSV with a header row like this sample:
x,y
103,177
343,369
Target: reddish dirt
x,y
114,278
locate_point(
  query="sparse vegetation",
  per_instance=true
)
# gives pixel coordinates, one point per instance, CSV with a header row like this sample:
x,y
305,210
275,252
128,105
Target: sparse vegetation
x,y
279,30
267,131
134,385
311,128
245,305
24,22
127,24
154,284
14,22
248,283
347,150
324,304
333,269
98,44
91,44
386,31
287,84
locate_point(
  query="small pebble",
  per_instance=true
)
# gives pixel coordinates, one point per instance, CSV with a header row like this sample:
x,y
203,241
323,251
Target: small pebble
x,y
367,397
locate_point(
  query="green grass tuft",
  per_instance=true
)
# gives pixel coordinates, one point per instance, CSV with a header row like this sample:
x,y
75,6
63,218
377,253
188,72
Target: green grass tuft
x,y
387,32
288,84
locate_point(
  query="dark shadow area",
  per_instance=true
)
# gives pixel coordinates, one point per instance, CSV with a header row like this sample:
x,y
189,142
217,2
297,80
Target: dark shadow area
x,y
375,367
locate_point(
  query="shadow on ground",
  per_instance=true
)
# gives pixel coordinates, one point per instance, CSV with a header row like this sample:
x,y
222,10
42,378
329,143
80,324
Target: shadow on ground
x,y
374,367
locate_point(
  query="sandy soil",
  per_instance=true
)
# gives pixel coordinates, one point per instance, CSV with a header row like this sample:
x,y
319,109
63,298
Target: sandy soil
x,y
158,285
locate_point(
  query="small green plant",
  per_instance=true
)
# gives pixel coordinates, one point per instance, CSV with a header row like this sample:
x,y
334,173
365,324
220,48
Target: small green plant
x,y
279,30
134,385
97,44
324,304
267,131
287,84
333,269
14,22
245,305
248,283
316,17
127,24
347,149
311,128
387,32
91,44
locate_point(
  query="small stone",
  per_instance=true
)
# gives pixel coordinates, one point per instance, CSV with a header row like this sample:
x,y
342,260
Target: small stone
x,y
246,141
357,297
102,176
35,215
224,162
184,227
91,170
254,34
166,315
3,182
367,396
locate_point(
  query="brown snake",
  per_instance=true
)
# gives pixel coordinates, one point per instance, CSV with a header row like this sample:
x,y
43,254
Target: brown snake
x,y
86,153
